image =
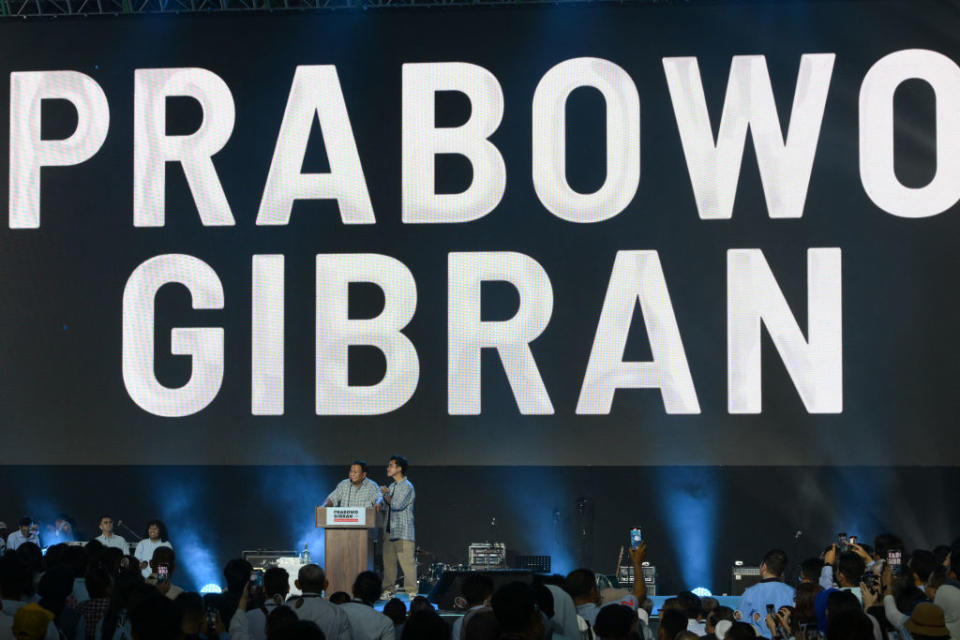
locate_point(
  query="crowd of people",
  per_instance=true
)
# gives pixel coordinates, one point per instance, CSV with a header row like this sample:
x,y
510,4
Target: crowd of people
x,y
100,591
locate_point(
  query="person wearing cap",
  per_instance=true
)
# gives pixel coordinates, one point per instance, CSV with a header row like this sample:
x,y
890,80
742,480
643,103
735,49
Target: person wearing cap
x,y
23,534
926,621
31,622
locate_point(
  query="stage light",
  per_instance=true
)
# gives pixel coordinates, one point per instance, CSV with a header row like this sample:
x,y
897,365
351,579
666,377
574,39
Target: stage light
x,y
210,588
702,592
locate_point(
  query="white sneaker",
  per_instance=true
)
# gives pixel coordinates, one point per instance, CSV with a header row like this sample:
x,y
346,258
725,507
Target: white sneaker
x,y
386,595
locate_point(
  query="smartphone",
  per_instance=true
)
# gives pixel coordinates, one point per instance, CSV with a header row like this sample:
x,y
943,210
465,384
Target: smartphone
x,y
893,560
163,573
636,537
256,578
771,610
211,618
853,539
842,542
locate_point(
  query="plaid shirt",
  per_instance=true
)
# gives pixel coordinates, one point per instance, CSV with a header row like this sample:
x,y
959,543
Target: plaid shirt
x,y
347,495
399,525
93,611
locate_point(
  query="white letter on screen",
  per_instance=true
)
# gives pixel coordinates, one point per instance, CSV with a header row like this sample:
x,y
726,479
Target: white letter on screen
x,y
336,332
316,93
28,153
550,132
266,374
784,167
467,334
423,140
754,298
153,148
203,344
637,275
876,133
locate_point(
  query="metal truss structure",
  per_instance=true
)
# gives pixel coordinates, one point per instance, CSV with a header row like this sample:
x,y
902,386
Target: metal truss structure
x,y
62,8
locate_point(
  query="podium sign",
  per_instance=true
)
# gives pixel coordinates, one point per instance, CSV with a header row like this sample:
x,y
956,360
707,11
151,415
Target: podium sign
x,y
346,516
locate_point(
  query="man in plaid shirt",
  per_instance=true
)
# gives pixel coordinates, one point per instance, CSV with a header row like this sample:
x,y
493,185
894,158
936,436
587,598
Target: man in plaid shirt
x,y
355,491
399,542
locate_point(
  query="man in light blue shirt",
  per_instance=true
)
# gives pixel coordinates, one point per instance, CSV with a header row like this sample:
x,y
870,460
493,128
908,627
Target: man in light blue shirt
x,y
23,534
753,603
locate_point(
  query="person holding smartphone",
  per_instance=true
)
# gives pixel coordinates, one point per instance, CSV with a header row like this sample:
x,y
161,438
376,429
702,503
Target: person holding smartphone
x,y
771,590
163,565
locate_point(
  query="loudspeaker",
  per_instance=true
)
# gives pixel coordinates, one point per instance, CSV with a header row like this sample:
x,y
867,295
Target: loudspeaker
x,y
742,577
450,584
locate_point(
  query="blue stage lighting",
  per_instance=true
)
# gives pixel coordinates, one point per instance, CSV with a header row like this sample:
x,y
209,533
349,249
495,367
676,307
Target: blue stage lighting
x,y
181,502
689,500
701,592
211,588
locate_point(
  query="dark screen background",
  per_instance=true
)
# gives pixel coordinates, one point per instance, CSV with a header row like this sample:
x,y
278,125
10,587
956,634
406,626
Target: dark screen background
x,y
62,397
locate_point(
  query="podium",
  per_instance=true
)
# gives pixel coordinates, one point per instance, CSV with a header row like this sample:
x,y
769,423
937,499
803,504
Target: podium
x,y
348,549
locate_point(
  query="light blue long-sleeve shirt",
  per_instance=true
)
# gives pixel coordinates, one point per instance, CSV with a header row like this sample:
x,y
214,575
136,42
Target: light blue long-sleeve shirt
x,y
756,598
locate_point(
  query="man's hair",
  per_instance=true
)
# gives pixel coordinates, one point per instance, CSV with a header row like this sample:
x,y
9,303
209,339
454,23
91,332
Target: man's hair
x,y
776,561
426,625
361,464
190,606
614,621
401,462
102,518
276,581
851,566
419,603
579,583
908,597
25,521
515,607
98,582
311,577
54,587
741,631
886,542
15,579
395,610
367,587
671,604
810,569
690,603
719,613
237,573
166,555
922,563
339,597
477,587
673,621
852,624
279,620
839,601
156,618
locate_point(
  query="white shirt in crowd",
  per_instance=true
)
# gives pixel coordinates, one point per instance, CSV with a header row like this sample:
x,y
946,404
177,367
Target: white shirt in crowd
x,y
368,623
144,553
